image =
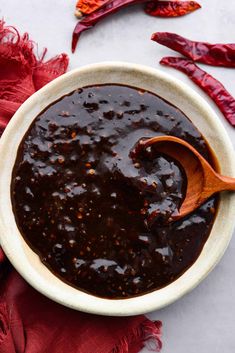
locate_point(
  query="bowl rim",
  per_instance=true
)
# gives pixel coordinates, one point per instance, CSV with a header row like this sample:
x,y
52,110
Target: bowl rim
x,y
136,305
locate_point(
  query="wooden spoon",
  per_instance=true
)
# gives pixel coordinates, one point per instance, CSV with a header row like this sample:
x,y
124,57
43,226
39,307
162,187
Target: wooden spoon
x,y
202,180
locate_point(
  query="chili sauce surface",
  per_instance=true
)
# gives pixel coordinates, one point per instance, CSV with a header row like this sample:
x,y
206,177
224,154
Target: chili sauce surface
x,y
82,199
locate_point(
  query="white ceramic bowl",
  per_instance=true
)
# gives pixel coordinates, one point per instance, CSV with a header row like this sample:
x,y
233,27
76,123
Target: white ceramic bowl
x,y
27,262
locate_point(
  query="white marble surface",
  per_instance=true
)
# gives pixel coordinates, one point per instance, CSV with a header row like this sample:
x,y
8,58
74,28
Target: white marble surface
x,y
204,320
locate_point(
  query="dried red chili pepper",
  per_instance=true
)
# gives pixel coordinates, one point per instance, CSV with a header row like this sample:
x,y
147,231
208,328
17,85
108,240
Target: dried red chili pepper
x,y
214,88
171,8
85,7
92,19
206,53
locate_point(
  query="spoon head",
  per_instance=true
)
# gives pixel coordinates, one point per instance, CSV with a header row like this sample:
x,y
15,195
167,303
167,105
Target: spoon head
x,y
188,159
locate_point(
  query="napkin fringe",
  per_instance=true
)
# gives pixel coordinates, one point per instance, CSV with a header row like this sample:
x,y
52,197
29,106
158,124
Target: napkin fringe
x,y
22,48
22,70
147,331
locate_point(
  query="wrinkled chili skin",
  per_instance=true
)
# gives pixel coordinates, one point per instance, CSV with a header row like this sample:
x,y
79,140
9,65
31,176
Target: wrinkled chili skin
x,y
81,198
218,93
86,7
97,16
171,8
206,53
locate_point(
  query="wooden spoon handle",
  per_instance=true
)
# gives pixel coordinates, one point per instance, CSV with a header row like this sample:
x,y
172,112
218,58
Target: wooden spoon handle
x,y
227,183
216,183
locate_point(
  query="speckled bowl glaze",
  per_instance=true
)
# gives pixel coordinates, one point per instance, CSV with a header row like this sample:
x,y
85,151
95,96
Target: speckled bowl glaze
x,y
27,263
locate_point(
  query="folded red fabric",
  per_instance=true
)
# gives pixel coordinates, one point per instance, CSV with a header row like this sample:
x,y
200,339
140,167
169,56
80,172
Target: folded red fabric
x,y
30,322
21,72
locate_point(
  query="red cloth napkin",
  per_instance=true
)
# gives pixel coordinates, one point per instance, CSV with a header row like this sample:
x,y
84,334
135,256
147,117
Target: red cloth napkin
x,y
30,322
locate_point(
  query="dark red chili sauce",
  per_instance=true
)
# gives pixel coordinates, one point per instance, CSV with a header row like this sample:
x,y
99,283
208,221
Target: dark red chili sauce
x,y
81,200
